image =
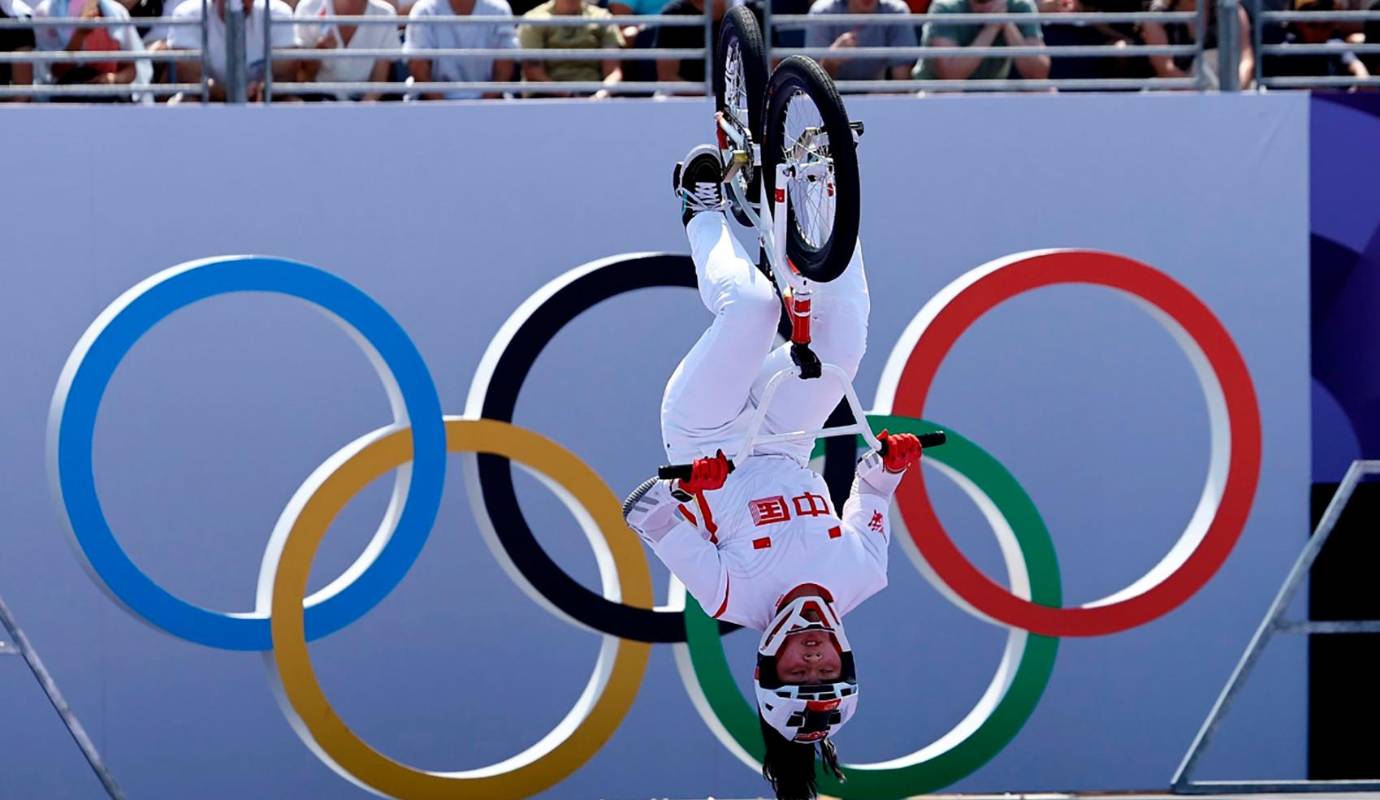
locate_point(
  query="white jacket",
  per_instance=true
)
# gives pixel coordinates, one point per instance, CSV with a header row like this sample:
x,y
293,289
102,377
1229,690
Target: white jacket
x,y
775,529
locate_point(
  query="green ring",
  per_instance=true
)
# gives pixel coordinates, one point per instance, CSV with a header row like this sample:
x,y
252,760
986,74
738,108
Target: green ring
x,y
737,718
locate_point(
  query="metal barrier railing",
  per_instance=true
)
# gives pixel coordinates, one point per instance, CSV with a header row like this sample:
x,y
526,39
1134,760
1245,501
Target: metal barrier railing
x,y
672,21
133,90
517,54
1019,85
797,22
79,22
780,23
1228,33
1289,50
235,70
417,87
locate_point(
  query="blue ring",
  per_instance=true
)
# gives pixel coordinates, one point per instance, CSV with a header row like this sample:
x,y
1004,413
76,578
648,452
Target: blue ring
x,y
105,345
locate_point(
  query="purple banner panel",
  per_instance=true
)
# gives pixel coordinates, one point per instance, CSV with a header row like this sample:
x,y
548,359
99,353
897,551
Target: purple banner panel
x,y
1345,210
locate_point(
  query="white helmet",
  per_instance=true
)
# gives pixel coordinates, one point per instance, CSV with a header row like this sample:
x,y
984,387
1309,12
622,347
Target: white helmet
x,y
807,712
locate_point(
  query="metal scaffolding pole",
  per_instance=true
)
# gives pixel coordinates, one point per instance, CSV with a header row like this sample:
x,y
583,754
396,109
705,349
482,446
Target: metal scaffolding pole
x,y
1273,623
19,645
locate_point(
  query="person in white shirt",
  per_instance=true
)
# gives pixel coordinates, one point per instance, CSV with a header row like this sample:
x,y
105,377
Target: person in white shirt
x,y
16,40
763,547
117,39
188,37
502,34
330,36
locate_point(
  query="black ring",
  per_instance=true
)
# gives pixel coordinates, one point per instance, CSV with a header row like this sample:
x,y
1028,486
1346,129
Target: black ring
x,y
605,279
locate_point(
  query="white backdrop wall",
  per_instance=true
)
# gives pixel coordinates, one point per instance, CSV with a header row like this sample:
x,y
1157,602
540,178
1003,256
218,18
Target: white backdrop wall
x,y
450,216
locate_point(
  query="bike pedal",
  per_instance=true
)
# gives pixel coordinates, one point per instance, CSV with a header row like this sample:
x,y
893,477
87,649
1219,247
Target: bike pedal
x,y
736,162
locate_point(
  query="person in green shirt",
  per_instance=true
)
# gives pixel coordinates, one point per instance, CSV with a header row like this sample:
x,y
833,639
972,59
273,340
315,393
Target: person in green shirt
x,y
939,33
594,36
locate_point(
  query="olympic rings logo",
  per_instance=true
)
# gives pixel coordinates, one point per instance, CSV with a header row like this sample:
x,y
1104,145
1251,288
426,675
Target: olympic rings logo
x,y
415,448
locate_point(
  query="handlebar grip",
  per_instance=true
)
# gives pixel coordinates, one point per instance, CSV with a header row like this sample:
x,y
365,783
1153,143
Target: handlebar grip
x,y
681,471
926,440
933,439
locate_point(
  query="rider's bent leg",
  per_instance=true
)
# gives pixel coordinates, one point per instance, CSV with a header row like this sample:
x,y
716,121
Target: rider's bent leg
x,y
705,403
839,337
838,328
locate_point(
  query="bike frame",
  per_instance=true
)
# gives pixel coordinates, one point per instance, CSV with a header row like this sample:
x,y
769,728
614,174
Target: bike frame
x,y
859,426
795,289
770,228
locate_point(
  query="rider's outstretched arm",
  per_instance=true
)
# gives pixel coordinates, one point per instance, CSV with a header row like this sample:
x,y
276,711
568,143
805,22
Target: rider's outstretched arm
x,y
664,522
867,512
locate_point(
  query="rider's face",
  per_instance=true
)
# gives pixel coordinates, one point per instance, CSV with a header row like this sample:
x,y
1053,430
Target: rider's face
x,y
809,657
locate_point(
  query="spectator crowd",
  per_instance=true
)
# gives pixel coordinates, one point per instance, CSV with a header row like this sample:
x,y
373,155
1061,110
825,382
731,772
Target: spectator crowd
x,y
396,49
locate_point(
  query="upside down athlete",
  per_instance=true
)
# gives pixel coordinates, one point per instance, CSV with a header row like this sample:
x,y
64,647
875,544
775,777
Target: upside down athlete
x,y
763,547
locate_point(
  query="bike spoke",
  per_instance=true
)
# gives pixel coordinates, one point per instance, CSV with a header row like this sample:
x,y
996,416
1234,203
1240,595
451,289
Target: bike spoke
x,y
736,114
806,144
735,85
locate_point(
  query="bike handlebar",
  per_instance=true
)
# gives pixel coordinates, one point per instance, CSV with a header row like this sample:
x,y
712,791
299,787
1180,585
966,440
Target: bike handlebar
x,y
683,471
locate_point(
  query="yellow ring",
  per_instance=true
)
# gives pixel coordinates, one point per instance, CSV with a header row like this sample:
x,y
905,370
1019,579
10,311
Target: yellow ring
x,y
589,724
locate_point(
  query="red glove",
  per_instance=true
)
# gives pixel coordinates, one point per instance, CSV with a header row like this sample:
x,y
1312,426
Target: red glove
x,y
707,474
900,450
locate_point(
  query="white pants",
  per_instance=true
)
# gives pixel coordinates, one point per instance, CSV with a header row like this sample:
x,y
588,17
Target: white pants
x,y
715,390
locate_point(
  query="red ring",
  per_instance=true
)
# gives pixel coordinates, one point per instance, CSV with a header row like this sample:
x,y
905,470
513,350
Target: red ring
x,y
1243,416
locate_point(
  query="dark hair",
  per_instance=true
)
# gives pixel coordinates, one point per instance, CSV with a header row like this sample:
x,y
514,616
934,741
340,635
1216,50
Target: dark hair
x,y
788,766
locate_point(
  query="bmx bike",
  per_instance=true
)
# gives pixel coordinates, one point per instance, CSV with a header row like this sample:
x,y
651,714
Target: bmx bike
x,y
790,172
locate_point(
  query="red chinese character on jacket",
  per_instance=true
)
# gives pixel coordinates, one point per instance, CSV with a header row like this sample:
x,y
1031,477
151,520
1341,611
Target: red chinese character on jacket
x,y
877,523
810,505
768,510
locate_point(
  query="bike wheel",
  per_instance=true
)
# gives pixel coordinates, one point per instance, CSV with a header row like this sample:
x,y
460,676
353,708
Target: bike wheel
x,y
740,77
806,128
